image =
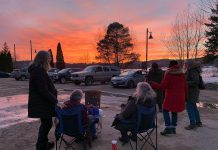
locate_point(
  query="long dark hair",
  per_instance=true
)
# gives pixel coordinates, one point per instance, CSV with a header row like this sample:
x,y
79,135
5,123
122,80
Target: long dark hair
x,y
42,60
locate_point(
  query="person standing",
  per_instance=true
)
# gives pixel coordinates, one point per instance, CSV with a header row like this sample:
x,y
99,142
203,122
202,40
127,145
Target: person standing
x,y
193,73
156,74
175,86
42,98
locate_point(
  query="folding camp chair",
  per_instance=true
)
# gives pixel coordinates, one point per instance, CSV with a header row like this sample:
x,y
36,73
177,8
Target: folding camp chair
x,y
70,124
93,97
146,123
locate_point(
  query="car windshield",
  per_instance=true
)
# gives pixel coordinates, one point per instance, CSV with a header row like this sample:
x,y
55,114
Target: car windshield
x,y
63,71
89,69
127,73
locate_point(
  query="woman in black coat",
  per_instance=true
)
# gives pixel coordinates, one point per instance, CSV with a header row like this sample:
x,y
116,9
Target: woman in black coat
x,y
42,97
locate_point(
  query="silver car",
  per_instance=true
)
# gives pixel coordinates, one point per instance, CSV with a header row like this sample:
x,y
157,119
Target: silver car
x,y
129,78
95,73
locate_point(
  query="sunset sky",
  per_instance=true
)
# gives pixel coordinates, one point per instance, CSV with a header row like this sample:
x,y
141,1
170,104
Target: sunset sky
x,y
78,24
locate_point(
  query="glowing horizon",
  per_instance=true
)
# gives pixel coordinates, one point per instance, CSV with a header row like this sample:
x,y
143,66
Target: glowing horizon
x,y
78,24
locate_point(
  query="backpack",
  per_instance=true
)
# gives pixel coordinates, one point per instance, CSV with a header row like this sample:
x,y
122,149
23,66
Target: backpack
x,y
201,84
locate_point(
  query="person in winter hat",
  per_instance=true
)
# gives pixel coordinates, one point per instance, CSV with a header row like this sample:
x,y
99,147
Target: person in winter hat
x,y
175,86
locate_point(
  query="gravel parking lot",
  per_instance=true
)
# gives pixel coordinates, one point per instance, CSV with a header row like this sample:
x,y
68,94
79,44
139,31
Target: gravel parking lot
x,y
22,133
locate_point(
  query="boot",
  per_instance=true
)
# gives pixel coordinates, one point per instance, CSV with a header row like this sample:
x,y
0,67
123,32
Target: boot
x,y
173,130
190,127
166,131
199,124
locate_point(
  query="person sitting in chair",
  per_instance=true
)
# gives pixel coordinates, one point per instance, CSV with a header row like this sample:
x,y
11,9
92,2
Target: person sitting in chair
x,y
144,95
75,100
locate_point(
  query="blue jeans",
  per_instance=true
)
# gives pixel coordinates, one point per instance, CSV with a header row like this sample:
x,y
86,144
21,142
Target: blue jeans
x,y
170,123
193,113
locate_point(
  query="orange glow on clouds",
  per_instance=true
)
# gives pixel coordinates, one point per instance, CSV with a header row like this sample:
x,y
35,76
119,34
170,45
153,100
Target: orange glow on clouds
x,y
78,24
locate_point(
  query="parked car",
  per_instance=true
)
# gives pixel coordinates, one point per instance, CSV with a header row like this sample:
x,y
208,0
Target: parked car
x,y
64,75
21,74
128,78
95,73
53,74
4,74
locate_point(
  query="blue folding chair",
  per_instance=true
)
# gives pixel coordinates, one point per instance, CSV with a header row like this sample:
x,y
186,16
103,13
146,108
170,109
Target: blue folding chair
x,y
145,125
70,124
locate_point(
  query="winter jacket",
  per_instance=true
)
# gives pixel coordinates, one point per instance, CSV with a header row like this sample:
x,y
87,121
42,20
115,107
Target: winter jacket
x,y
193,74
175,86
157,75
71,104
42,94
130,109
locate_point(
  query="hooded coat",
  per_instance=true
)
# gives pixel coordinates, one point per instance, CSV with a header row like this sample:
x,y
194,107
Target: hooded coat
x,y
42,94
193,74
175,86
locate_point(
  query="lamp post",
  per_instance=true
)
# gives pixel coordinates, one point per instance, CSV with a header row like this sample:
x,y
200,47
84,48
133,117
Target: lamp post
x,y
31,51
146,60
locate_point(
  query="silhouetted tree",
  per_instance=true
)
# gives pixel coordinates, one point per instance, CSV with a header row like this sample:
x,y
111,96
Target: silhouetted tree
x,y
211,52
52,59
60,64
116,46
6,62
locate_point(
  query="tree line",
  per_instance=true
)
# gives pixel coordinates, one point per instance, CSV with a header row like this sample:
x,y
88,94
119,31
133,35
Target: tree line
x,y
7,63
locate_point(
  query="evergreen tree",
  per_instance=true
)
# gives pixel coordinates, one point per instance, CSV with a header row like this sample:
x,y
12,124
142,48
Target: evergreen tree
x,y
52,59
116,46
6,62
211,52
60,64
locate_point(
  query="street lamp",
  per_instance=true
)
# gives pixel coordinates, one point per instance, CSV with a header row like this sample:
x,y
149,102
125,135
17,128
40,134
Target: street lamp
x,y
31,51
146,61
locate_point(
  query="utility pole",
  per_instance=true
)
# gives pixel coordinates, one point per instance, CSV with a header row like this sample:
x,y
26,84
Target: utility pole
x,y
14,56
31,51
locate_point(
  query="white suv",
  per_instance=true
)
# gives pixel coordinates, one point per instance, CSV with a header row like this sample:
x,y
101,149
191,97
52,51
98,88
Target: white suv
x,y
95,73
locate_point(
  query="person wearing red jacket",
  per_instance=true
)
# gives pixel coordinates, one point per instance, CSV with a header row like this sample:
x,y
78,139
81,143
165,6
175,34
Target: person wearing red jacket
x,y
175,86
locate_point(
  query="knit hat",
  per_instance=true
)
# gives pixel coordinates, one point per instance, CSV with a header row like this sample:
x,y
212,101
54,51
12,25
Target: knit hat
x,y
154,65
173,63
76,95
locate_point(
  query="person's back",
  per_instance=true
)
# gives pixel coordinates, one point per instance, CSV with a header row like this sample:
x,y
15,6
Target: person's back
x,y
193,79
175,86
144,95
156,75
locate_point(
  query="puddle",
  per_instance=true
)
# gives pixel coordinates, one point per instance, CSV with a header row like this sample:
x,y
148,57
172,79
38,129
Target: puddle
x,y
207,105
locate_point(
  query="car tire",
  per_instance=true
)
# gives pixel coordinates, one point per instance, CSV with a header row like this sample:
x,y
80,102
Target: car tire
x,y
88,81
22,78
62,80
77,82
130,84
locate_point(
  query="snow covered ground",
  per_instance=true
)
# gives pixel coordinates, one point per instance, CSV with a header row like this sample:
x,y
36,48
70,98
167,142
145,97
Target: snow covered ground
x,y
210,74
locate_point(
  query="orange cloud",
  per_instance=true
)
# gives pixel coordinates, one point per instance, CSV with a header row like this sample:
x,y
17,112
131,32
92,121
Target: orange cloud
x,y
78,25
